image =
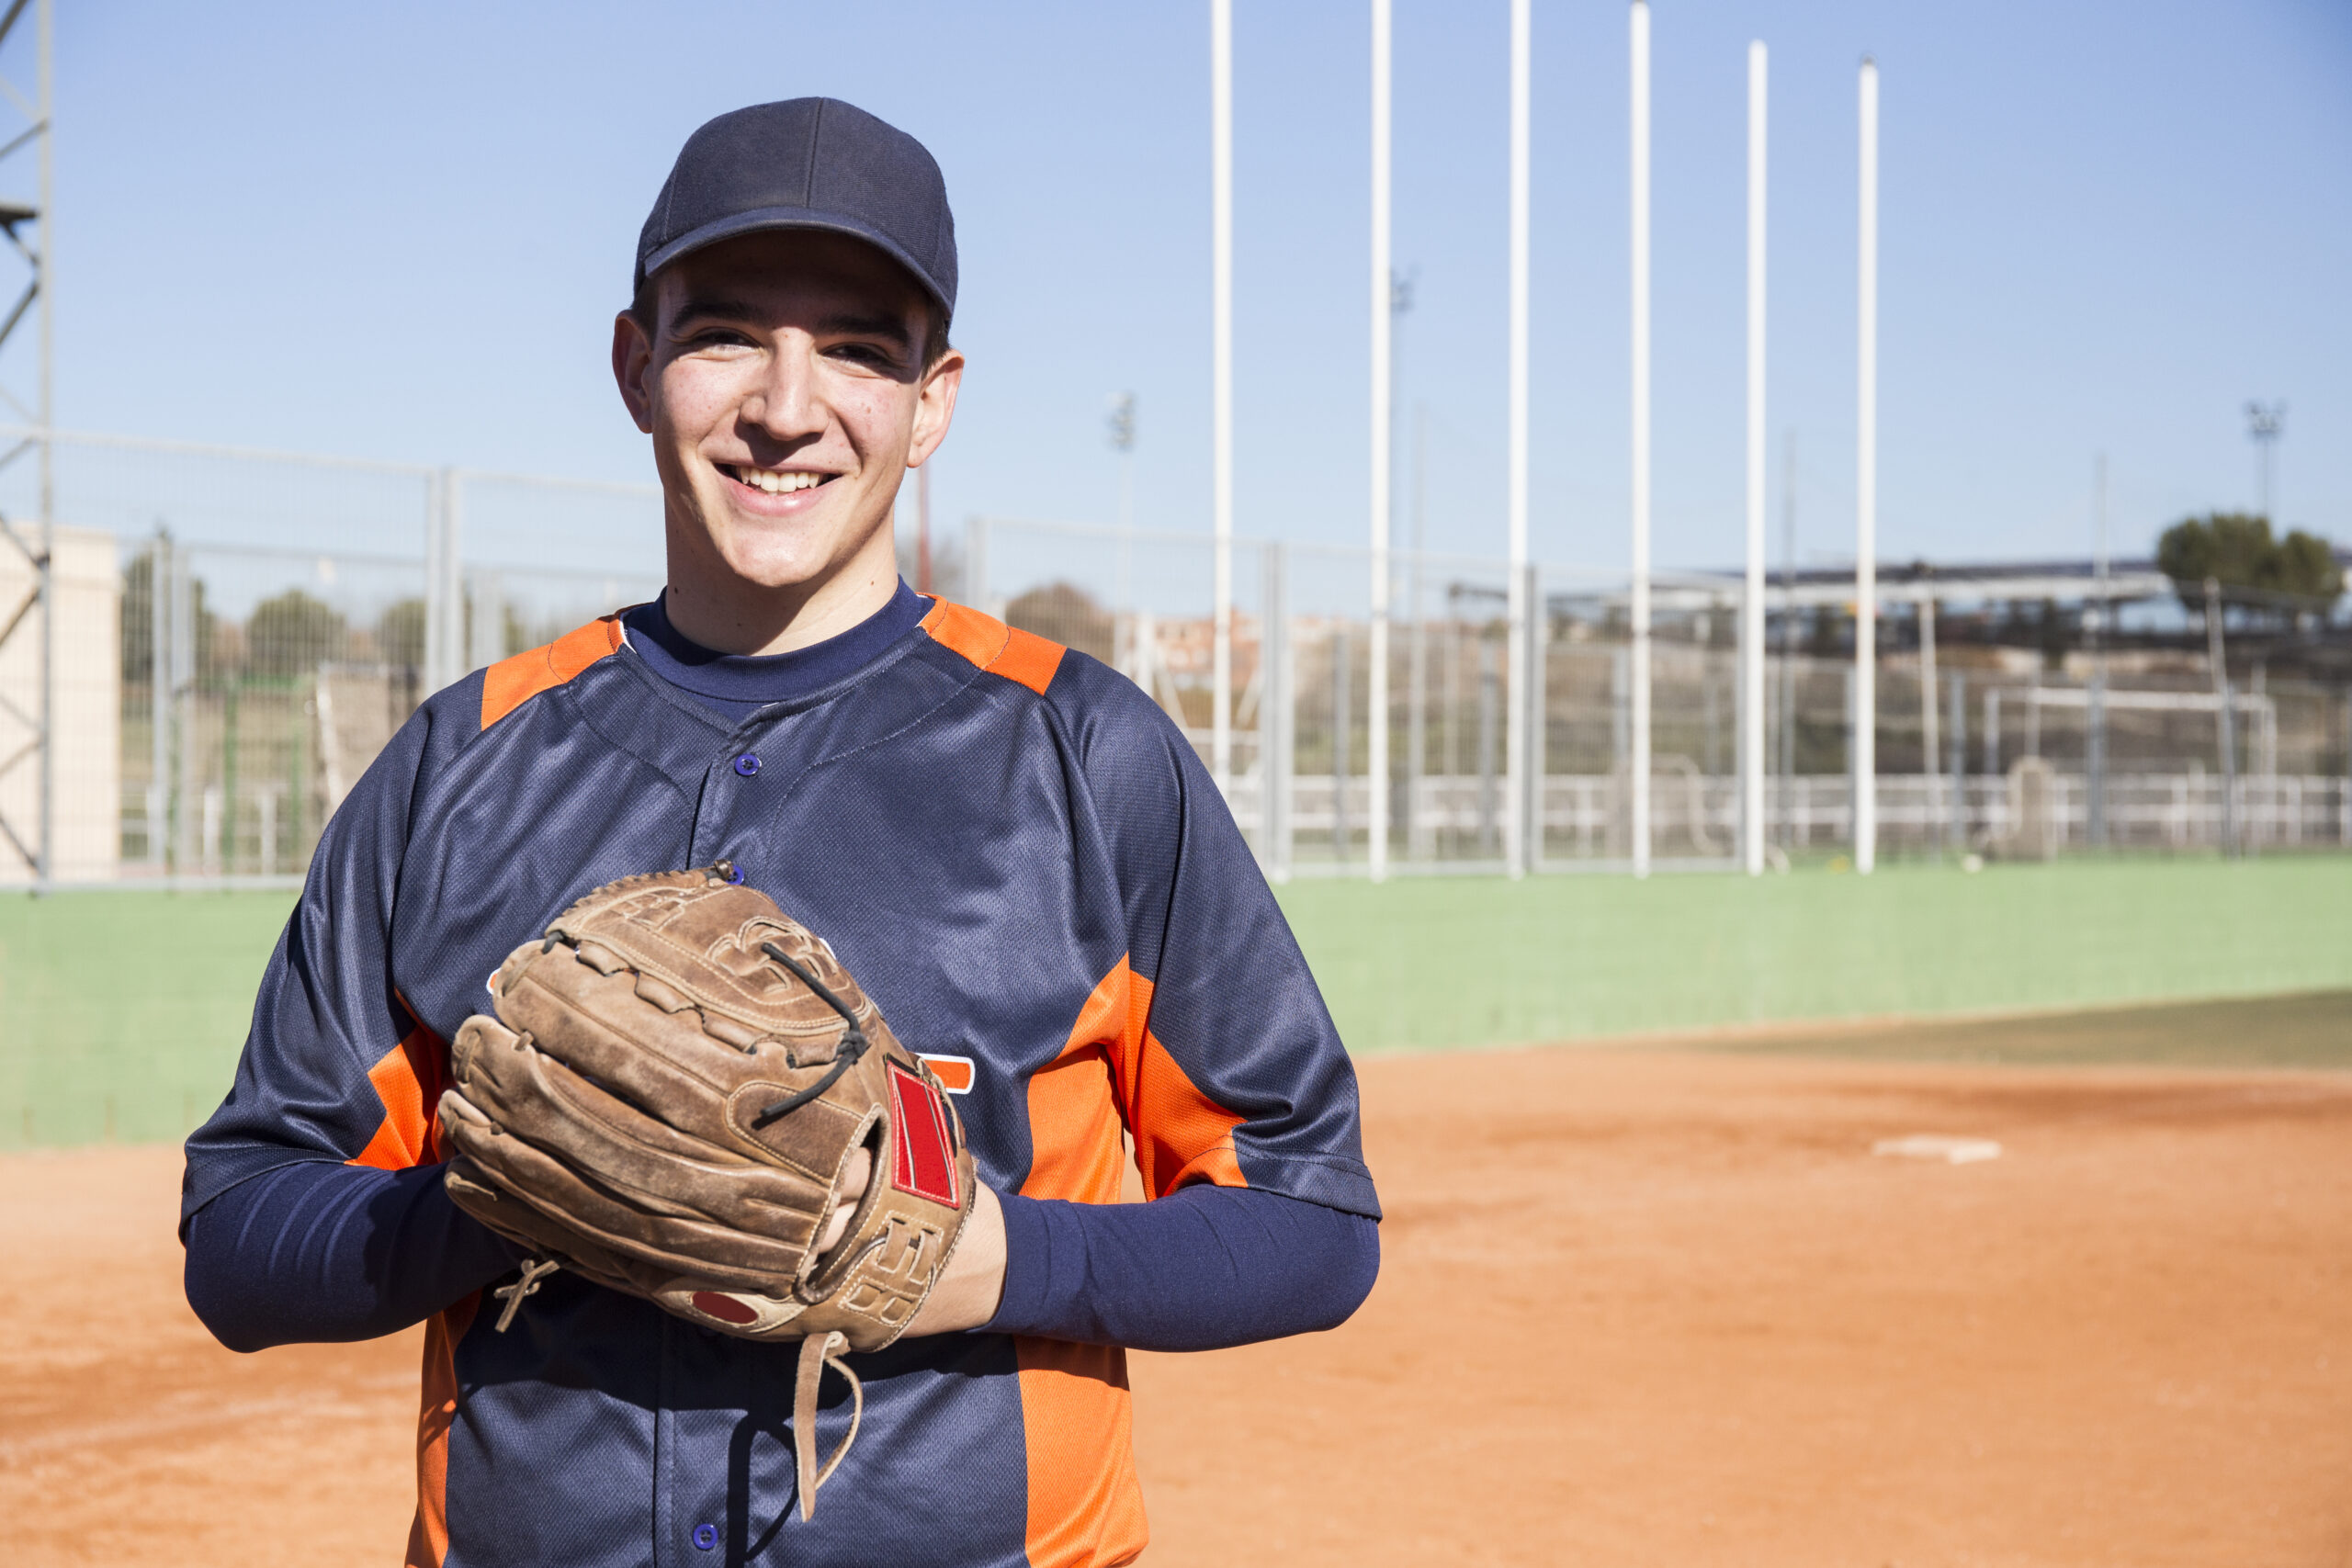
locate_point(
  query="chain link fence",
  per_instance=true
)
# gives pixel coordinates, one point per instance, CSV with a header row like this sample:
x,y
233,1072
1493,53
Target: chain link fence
x,y
1991,753
238,635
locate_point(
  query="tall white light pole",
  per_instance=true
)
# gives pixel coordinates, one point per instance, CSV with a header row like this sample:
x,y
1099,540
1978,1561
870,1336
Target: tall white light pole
x,y
1638,779
1383,306
1751,620
1865,718
1518,830
1221,379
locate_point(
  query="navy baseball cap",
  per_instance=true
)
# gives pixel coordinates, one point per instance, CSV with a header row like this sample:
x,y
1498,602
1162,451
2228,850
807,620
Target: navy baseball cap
x,y
806,164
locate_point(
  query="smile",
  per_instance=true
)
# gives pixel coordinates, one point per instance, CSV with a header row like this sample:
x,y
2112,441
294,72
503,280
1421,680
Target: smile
x,y
775,481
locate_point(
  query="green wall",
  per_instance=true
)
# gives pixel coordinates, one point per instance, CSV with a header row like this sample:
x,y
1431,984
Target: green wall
x,y
1428,962
122,1013
125,1011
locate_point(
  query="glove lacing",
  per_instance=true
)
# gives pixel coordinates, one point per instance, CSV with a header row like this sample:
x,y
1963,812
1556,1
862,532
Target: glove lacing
x,y
818,1352
535,1268
846,1053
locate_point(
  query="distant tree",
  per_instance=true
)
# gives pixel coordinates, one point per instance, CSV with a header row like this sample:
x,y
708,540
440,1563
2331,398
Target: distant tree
x,y
138,617
290,633
400,633
2307,565
139,622
946,563
2235,549
1066,614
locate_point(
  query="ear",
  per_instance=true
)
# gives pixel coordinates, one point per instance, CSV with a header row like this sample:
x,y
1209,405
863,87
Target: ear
x,y
935,407
633,369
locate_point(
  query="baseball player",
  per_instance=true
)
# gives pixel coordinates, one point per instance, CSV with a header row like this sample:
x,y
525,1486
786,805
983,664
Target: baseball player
x,y
1007,845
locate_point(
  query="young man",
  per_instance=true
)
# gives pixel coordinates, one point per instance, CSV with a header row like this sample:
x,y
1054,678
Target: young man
x,y
1011,847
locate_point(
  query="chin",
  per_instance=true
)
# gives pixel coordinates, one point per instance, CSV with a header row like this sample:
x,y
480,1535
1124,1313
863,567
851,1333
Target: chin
x,y
776,569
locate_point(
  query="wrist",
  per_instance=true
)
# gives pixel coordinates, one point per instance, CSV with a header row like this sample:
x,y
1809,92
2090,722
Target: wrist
x,y
969,1289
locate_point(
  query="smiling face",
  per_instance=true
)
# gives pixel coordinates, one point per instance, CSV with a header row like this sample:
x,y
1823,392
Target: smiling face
x,y
784,383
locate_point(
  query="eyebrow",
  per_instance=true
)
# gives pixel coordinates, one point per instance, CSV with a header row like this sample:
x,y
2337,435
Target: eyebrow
x,y
698,306
845,323
873,323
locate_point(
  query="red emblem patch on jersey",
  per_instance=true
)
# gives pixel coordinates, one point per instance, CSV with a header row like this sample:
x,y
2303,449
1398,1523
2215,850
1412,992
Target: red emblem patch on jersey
x,y
925,1162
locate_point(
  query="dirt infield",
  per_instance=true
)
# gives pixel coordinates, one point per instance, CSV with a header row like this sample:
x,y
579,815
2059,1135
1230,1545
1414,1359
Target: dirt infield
x,y
1639,1308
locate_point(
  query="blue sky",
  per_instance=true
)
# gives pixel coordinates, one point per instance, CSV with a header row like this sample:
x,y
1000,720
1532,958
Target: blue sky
x,y
401,233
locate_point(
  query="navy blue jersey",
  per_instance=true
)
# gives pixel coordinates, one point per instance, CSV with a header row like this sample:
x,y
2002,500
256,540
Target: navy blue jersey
x,y
1024,865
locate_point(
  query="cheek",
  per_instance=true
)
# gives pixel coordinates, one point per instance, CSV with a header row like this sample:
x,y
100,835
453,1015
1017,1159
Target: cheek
x,y
694,396
877,416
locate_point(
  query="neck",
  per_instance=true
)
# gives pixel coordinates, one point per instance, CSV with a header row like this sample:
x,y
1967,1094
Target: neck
x,y
727,613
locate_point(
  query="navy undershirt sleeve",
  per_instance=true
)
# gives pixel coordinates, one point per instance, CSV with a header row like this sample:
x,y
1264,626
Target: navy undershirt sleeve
x,y
318,1251
1202,1268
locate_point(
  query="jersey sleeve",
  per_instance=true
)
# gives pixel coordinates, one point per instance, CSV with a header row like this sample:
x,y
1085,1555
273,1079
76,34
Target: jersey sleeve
x,y
334,1066
1231,1070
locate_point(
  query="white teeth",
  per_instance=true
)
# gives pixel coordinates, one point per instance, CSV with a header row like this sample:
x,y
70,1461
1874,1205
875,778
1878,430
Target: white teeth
x,y
776,483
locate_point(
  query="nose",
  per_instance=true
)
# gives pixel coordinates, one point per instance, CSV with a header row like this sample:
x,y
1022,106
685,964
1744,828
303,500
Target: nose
x,y
787,405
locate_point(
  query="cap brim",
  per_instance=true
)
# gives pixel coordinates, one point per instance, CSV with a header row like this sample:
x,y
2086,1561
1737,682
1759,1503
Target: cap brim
x,y
761,219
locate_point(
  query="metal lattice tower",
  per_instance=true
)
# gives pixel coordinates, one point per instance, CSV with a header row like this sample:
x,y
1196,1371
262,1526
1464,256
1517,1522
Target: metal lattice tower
x,y
27,229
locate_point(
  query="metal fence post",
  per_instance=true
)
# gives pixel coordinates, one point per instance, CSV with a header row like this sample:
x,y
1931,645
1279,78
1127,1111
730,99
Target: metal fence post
x,y
485,622
1537,643
1959,765
159,699
1343,737
441,616
1274,716
2225,719
185,795
2095,761
1417,733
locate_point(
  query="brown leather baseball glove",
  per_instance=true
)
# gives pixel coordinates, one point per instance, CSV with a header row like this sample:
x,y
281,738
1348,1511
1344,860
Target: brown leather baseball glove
x,y
680,1097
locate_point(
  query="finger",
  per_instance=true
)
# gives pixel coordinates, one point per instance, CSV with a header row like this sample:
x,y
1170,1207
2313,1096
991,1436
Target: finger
x,y
858,1174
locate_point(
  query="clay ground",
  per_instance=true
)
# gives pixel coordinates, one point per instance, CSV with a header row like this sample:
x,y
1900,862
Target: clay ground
x,y
1637,1307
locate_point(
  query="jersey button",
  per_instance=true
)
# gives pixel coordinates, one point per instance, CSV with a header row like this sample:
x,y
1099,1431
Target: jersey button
x,y
748,763
706,1537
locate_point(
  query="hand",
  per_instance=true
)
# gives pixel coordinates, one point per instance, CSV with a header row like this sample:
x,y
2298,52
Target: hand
x,y
968,1294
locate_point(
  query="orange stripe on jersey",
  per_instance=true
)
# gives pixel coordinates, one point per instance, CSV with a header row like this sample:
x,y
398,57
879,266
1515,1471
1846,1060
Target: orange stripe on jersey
x,y
1023,658
408,1080
509,684
1085,1504
1181,1135
1074,1103
1076,1151
428,1533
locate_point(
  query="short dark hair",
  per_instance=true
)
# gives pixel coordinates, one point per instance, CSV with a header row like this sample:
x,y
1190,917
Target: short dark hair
x,y
644,309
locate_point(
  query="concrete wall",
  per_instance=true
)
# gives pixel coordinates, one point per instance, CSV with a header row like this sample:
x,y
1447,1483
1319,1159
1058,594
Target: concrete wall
x,y
87,715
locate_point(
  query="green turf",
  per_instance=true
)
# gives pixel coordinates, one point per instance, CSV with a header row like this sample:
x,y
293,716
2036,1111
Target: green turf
x,y
122,1014
1416,963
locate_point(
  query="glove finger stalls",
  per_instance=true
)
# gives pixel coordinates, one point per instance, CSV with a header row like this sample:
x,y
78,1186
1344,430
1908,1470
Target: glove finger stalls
x,y
749,1242
477,1034
543,1105
543,1234
599,1024
532,1093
